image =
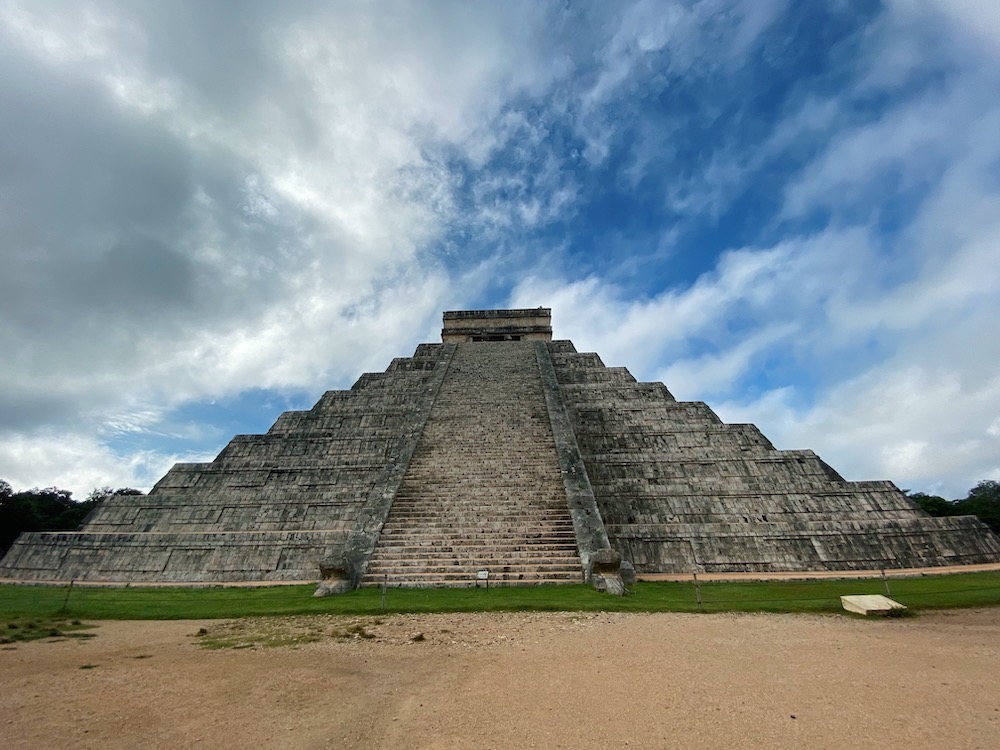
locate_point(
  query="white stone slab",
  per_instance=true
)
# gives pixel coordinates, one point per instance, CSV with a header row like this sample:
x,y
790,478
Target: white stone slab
x,y
869,604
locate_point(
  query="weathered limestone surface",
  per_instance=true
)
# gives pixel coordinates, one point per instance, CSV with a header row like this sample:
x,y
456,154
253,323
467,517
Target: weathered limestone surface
x,y
591,538
484,489
497,325
498,449
679,491
270,507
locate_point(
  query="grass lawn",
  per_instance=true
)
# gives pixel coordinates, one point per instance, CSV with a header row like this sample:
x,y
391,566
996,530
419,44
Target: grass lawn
x,y
19,602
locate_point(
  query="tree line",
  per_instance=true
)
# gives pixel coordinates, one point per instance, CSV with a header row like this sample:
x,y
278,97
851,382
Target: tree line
x,y
983,501
48,509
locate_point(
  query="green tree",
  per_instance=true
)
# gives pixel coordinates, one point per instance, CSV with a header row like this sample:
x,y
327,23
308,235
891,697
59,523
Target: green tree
x,y
983,501
48,509
100,494
36,510
934,505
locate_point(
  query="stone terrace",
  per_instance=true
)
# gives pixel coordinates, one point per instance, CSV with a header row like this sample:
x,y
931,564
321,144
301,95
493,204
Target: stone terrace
x,y
680,491
268,508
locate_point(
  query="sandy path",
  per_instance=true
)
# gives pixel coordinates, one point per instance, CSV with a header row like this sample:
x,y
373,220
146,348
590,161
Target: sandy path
x,y
517,681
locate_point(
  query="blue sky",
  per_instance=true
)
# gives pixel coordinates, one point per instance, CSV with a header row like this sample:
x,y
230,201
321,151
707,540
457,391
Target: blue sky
x,y
210,213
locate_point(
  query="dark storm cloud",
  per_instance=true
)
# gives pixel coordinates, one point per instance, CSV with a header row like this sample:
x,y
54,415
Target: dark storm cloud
x,y
73,161
105,216
23,412
221,51
134,274
97,196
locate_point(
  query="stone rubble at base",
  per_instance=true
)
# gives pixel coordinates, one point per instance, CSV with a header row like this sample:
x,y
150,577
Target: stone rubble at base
x,y
499,449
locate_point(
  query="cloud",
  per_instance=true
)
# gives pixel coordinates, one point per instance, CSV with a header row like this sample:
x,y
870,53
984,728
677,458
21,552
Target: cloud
x,y
922,425
653,44
601,317
718,372
178,225
890,378
775,206
81,462
226,223
976,21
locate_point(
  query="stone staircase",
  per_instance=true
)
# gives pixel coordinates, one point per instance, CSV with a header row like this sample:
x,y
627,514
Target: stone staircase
x,y
483,490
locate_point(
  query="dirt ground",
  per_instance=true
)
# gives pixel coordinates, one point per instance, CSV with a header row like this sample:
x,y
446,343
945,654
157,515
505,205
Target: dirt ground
x,y
557,680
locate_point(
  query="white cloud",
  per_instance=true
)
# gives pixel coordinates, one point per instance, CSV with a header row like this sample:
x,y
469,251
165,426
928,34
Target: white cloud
x,y
307,206
599,316
278,205
902,377
906,145
718,372
921,426
80,462
673,39
976,20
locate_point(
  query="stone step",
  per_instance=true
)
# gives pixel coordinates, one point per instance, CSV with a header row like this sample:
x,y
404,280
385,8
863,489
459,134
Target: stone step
x,y
449,536
462,517
468,577
486,501
479,525
472,582
470,574
515,544
445,533
494,520
482,521
485,535
566,550
470,551
485,508
428,563
483,488
538,484
510,541
486,529
481,507
526,486
447,564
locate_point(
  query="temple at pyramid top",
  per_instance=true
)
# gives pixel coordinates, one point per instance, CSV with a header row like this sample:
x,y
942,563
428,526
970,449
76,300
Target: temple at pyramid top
x,y
497,325
505,455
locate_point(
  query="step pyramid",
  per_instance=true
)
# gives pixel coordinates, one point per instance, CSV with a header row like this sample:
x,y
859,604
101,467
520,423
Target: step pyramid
x,y
498,451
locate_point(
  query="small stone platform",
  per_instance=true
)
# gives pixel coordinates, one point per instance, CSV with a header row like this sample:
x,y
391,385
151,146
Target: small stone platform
x,y
870,604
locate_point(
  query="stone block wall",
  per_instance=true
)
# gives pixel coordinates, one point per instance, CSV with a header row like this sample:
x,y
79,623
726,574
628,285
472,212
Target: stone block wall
x,y
269,507
497,325
679,491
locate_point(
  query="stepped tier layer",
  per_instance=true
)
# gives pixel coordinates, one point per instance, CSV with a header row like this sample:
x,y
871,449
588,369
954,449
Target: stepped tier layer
x,y
680,491
268,508
501,450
